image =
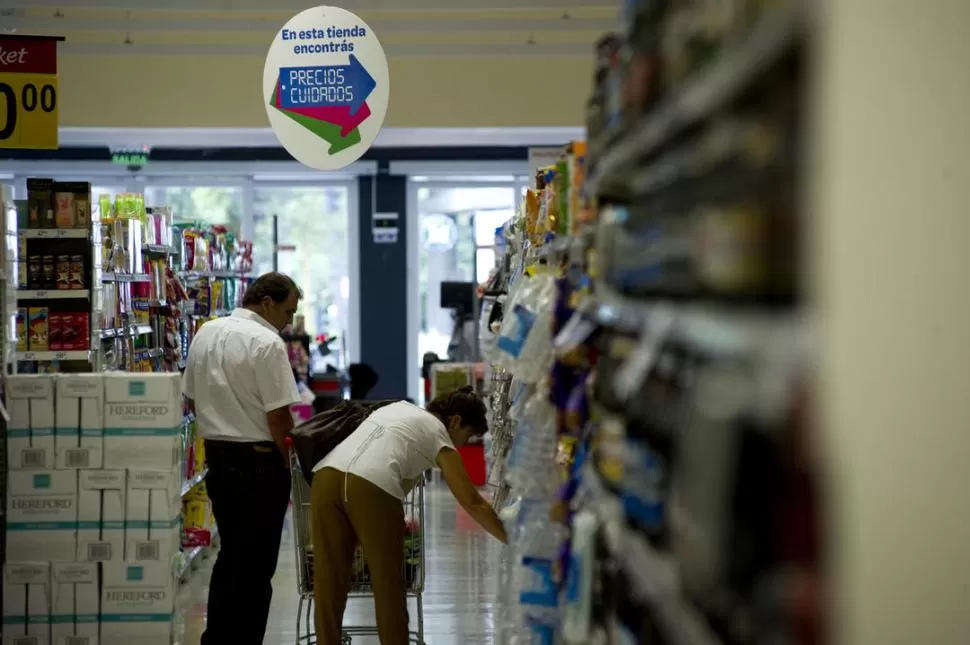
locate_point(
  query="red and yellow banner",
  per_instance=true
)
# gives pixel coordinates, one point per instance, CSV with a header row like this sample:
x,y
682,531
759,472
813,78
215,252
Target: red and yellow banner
x,y
28,92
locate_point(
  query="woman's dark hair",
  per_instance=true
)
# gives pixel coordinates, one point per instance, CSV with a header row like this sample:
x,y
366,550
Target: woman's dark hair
x,y
270,285
464,403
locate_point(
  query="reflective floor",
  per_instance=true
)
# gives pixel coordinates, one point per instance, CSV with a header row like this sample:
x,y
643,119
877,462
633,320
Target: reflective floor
x,y
460,587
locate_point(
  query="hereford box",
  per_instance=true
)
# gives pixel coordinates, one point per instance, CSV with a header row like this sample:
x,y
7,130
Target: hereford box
x,y
30,435
142,421
137,603
153,506
101,515
26,603
74,603
79,421
41,515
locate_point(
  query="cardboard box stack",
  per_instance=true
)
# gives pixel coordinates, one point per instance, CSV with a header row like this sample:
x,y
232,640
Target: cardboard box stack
x,y
93,508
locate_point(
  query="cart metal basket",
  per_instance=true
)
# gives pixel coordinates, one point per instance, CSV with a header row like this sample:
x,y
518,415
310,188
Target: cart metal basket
x,y
414,569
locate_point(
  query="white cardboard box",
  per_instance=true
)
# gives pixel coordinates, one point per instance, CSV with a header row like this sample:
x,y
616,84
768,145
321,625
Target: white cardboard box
x,y
153,505
26,602
41,515
79,421
142,421
101,515
75,596
30,435
137,603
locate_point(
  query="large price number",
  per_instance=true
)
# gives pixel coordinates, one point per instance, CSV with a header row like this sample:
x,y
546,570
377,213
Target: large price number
x,y
31,98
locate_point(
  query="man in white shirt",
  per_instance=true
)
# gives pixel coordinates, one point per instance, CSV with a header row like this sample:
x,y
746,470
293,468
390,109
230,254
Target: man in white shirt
x,y
240,386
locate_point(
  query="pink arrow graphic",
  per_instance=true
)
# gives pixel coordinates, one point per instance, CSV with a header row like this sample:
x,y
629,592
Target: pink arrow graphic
x,y
337,114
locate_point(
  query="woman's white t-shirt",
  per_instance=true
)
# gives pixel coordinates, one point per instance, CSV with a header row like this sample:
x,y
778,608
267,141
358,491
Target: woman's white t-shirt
x,y
396,443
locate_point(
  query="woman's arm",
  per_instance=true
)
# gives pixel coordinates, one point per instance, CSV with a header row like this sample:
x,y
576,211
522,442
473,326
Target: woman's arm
x,y
453,470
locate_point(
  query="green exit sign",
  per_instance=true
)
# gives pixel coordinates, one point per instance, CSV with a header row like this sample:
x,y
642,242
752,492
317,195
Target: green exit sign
x,y
129,158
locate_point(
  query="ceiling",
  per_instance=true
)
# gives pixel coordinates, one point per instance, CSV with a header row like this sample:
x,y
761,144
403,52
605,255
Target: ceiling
x,y
246,27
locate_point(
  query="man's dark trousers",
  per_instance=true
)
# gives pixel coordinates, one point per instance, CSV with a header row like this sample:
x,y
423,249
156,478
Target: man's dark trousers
x,y
249,488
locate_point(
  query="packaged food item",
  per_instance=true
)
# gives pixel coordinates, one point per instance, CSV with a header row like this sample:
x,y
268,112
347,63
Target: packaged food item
x,y
37,319
76,272
21,329
55,332
69,332
22,280
48,272
35,273
40,204
63,271
82,327
64,215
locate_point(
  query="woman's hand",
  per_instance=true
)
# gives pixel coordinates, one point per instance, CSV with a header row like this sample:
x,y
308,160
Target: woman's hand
x,y
453,471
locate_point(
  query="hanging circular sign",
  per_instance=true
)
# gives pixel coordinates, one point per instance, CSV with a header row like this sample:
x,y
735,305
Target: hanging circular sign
x,y
326,87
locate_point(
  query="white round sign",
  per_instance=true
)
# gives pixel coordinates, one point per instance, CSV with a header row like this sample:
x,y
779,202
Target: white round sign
x,y
326,87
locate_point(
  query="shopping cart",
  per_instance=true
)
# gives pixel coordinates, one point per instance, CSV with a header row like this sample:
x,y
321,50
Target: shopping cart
x,y
360,585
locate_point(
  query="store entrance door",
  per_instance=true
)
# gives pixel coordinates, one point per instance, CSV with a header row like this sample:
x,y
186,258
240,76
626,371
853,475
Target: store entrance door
x,y
311,245
456,243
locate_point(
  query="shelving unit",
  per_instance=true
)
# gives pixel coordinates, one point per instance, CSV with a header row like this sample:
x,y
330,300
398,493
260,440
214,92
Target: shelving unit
x,y
668,393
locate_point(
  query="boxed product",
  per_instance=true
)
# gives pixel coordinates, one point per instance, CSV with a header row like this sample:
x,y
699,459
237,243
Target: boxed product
x,y
79,421
142,421
74,603
101,515
26,602
72,200
75,331
137,603
40,203
30,434
153,506
41,515
37,328
21,328
55,328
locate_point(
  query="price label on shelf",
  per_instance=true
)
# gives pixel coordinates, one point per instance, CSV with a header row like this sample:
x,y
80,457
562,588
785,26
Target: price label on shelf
x,y
38,294
28,92
60,356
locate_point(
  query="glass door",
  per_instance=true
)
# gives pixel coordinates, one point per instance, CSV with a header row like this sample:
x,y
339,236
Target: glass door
x,y
313,247
456,224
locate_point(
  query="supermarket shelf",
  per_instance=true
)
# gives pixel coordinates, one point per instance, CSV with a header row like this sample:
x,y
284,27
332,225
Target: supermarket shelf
x,y
190,484
132,330
53,233
53,294
154,352
719,328
125,277
158,249
709,90
653,574
194,554
198,275
80,355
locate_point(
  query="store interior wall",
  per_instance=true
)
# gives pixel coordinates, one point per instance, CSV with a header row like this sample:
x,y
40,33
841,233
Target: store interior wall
x,y
460,63
223,91
891,265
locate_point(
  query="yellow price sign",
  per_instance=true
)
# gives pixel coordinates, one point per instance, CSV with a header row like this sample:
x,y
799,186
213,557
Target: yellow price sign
x,y
28,92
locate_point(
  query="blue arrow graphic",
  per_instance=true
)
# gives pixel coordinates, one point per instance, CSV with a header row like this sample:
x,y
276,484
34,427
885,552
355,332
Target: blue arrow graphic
x,y
326,86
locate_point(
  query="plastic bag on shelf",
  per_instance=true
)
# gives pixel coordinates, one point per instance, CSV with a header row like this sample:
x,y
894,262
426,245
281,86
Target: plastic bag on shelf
x,y
525,340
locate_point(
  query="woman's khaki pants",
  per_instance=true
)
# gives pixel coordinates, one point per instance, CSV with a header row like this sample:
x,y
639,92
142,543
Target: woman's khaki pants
x,y
375,518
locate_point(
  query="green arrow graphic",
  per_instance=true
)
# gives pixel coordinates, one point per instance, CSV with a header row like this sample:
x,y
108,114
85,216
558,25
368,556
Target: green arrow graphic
x,y
329,132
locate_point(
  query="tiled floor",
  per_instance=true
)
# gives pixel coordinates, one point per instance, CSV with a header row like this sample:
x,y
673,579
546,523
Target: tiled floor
x,y
460,587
